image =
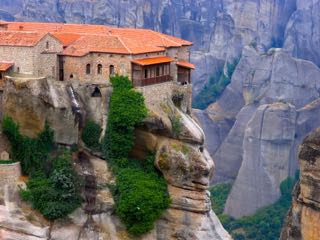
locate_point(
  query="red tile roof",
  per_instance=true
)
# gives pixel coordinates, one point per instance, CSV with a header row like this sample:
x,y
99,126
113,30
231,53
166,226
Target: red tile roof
x,y
25,39
186,64
152,61
77,38
4,66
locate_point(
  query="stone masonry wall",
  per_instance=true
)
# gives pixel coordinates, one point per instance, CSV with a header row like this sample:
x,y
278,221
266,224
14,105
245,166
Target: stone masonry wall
x,y
9,173
21,56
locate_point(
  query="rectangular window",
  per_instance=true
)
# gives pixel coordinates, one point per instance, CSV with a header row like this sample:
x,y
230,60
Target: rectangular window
x,y
146,73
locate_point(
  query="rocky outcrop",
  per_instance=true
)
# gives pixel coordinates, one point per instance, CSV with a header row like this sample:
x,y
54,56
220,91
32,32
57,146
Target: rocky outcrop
x,y
187,167
303,219
254,101
302,32
32,102
267,148
168,131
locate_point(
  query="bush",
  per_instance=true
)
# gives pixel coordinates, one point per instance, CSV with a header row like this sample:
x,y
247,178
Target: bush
x,y
141,192
91,135
54,186
32,153
57,195
127,110
141,199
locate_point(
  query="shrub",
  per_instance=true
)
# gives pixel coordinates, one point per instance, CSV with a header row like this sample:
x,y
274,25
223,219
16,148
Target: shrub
x,y
141,199
91,135
141,192
127,110
57,195
32,153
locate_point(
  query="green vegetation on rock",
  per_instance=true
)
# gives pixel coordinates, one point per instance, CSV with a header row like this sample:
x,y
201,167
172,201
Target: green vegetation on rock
x,y
32,153
54,186
91,135
265,224
214,88
140,192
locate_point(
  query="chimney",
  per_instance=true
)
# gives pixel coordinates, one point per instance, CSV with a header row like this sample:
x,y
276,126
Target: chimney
x,y
20,27
3,26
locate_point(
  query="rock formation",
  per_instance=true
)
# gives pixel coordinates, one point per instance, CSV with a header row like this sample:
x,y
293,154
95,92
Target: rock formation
x,y
179,150
277,96
303,220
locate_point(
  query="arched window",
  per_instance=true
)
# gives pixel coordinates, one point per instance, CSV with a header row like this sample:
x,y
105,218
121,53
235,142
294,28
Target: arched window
x,y
88,69
111,70
99,69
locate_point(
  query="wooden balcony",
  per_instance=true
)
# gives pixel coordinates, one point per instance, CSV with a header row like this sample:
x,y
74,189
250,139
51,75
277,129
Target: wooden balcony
x,y
150,81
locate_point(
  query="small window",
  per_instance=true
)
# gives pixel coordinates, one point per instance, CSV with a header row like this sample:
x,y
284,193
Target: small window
x,y
71,76
88,69
99,69
111,70
146,73
47,45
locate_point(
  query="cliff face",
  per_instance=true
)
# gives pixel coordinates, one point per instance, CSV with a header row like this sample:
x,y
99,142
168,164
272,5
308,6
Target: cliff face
x,y
180,156
277,97
303,219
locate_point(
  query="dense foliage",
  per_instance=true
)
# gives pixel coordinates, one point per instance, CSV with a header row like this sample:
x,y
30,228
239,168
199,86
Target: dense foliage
x,y
214,88
140,192
53,187
91,135
32,153
219,195
57,194
265,224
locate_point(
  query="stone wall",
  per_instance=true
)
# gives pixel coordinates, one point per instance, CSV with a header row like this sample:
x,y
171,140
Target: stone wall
x,y
157,93
9,173
37,60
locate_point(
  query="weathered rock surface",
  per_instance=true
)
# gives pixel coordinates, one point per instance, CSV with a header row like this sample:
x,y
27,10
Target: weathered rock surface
x,y
32,102
261,80
267,146
169,132
303,220
302,32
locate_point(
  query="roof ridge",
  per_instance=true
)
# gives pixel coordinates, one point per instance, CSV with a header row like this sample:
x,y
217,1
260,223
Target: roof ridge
x,y
125,46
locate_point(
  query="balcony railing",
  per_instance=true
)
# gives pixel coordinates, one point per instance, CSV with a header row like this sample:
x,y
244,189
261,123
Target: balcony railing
x,y
153,80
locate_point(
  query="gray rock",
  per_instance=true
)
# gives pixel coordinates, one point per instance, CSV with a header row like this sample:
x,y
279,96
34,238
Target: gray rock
x,y
267,147
302,32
